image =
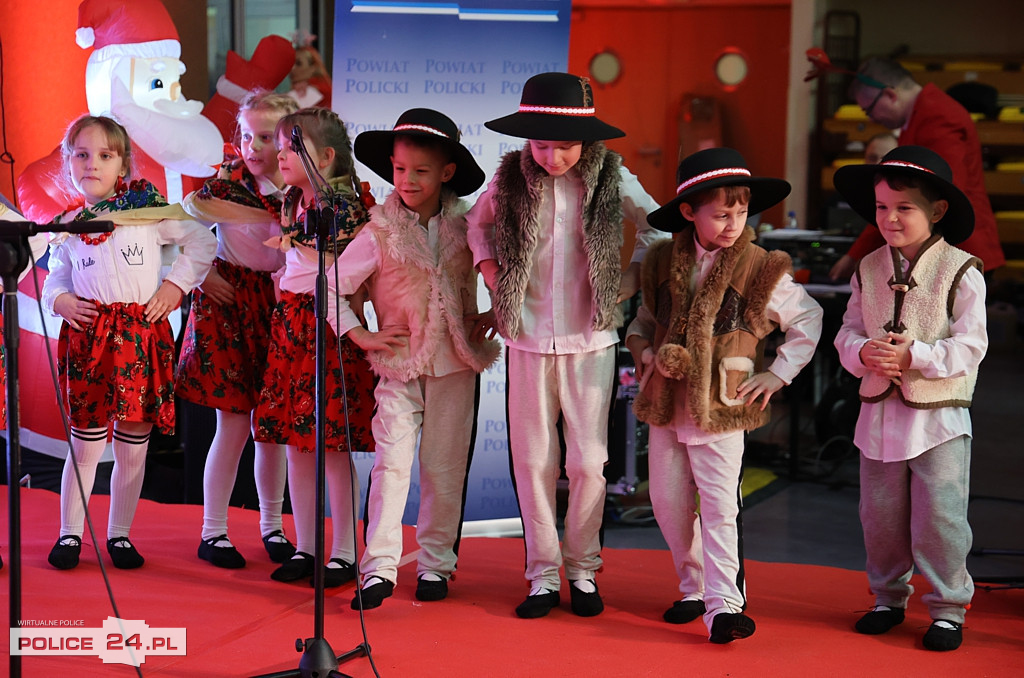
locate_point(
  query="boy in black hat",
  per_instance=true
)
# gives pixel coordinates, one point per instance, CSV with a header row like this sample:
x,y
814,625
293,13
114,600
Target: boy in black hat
x,y
710,298
547,236
915,333
413,258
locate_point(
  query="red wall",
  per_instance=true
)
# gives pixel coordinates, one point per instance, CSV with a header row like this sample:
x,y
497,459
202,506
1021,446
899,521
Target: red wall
x,y
669,50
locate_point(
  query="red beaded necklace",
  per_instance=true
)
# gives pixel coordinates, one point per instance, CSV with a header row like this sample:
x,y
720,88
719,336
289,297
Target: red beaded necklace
x,y
274,211
101,238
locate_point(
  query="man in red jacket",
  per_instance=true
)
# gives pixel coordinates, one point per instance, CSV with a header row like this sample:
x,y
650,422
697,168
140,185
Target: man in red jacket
x,y
927,117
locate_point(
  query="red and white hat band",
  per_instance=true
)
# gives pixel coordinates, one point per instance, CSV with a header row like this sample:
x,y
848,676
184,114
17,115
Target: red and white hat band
x,y
557,110
906,165
714,174
420,128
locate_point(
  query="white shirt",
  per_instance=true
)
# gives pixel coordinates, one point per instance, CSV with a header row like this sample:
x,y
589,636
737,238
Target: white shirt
x,y
889,430
797,314
557,314
126,267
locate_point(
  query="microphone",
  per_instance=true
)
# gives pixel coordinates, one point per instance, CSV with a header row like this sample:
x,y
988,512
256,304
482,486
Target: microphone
x,y
296,139
27,228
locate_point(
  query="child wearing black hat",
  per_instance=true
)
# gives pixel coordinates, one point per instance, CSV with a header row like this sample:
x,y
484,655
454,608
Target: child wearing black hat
x,y
413,258
915,333
547,236
710,298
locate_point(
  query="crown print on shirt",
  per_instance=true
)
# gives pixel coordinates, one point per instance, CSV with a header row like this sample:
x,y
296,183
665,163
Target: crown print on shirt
x,y
133,255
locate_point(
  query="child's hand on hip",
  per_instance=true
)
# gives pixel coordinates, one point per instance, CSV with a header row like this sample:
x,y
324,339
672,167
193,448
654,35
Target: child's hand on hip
x,y
761,384
217,288
79,313
166,299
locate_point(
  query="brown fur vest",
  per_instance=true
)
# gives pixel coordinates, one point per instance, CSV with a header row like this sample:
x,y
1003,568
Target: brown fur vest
x,y
516,205
713,338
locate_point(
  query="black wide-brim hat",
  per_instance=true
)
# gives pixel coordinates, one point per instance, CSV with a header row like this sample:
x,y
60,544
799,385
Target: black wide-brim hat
x,y
716,168
556,107
856,183
375,147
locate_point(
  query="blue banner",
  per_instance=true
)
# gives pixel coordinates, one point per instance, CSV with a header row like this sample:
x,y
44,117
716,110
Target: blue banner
x,y
468,60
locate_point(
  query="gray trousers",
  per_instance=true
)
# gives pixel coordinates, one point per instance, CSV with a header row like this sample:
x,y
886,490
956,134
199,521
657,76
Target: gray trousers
x,y
915,513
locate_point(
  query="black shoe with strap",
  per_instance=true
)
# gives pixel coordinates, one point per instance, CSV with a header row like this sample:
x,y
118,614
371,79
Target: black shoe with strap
x,y
221,553
278,547
880,620
539,605
943,635
124,554
298,566
65,553
337,576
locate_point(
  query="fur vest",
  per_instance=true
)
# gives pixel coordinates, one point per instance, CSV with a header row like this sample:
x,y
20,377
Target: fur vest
x,y
711,338
517,201
430,298
922,311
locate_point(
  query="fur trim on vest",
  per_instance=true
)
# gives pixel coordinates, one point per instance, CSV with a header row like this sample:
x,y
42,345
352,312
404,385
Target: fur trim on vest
x,y
411,290
711,338
517,201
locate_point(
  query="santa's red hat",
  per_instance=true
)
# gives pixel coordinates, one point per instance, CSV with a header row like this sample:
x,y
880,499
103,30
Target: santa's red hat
x,y
134,28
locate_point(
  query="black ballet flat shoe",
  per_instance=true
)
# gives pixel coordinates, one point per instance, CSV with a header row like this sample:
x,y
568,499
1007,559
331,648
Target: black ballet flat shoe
x,y
585,604
123,554
684,611
227,556
298,566
538,606
65,553
337,576
429,590
729,626
879,621
278,547
373,595
939,638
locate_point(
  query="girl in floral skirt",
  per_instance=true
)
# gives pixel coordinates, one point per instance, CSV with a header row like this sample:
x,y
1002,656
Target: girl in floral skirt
x,y
115,350
286,412
224,352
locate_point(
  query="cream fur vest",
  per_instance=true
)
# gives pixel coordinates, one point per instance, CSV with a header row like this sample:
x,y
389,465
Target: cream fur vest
x,y
922,312
711,340
516,205
430,298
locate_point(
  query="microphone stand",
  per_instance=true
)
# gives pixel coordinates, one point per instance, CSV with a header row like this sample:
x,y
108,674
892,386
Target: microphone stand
x,y
14,257
318,658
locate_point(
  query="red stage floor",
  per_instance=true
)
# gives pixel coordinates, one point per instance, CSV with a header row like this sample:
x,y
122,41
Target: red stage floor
x,y
239,622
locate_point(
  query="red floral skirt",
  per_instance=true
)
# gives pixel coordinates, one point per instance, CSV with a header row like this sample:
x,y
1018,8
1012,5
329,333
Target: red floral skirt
x,y
286,412
224,350
120,368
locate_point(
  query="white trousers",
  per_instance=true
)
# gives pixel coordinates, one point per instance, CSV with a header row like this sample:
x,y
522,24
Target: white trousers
x,y
579,388
439,411
707,550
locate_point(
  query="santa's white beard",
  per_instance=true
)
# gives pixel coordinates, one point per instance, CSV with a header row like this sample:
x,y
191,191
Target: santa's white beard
x,y
188,144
